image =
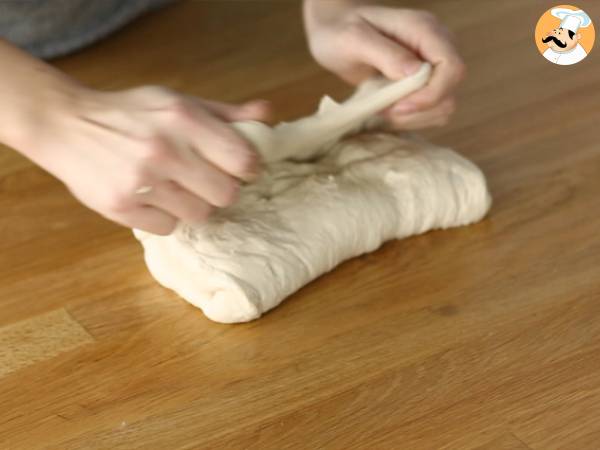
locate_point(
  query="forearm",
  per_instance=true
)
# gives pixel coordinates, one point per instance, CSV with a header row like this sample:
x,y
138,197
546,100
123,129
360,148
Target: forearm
x,y
29,88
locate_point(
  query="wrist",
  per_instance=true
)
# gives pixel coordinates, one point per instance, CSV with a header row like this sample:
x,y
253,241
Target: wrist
x,y
30,92
31,114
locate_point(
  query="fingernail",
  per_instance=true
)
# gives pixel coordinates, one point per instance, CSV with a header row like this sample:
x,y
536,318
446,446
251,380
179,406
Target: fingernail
x,y
412,67
404,108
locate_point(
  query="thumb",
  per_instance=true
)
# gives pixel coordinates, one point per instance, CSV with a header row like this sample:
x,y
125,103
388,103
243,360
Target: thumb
x,y
259,110
389,57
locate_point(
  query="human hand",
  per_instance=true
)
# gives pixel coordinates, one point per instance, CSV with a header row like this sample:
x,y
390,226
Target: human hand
x,y
145,157
356,39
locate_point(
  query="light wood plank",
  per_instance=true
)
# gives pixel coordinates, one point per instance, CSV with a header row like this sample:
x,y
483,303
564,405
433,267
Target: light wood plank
x,y
38,339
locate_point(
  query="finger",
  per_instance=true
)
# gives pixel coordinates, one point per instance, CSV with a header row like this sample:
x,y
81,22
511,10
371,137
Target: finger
x,y
178,202
448,72
204,180
165,158
259,110
216,142
160,98
417,123
148,219
446,75
208,135
355,73
446,106
387,56
146,97
437,116
428,38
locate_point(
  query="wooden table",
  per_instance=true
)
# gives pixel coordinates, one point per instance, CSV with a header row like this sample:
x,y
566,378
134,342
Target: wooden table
x,y
480,337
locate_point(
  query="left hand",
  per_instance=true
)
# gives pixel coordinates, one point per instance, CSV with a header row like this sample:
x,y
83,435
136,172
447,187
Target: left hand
x,y
356,40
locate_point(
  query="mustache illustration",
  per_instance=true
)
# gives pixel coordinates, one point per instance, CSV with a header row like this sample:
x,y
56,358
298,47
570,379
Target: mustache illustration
x,y
556,41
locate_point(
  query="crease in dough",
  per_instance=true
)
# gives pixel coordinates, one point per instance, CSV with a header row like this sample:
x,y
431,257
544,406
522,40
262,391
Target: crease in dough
x,y
334,187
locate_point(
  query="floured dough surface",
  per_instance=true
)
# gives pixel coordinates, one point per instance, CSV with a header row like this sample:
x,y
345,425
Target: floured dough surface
x,y
303,218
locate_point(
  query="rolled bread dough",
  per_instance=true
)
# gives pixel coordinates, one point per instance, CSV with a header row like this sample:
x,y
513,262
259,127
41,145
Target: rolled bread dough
x,y
324,197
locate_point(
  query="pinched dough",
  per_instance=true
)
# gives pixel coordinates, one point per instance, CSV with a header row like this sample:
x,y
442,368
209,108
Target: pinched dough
x,y
323,198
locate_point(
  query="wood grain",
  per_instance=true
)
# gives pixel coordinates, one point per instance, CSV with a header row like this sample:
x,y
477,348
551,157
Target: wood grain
x,y
483,337
39,338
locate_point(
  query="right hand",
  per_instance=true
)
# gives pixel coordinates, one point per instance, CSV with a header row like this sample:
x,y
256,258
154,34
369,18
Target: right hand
x,y
357,39
106,146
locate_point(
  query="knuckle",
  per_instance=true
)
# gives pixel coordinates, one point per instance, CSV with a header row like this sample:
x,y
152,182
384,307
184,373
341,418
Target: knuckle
x,y
178,110
137,179
425,17
428,102
245,148
394,66
201,214
118,203
157,91
247,162
155,151
459,70
134,179
228,194
170,189
244,158
163,229
158,95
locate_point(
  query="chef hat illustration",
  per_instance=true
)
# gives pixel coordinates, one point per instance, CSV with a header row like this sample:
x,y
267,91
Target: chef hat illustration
x,y
571,19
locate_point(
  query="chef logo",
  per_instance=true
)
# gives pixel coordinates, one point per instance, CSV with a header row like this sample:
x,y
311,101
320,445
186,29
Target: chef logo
x,y
565,35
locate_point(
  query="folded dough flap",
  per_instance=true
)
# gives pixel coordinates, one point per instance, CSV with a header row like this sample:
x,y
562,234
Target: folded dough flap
x,y
306,138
